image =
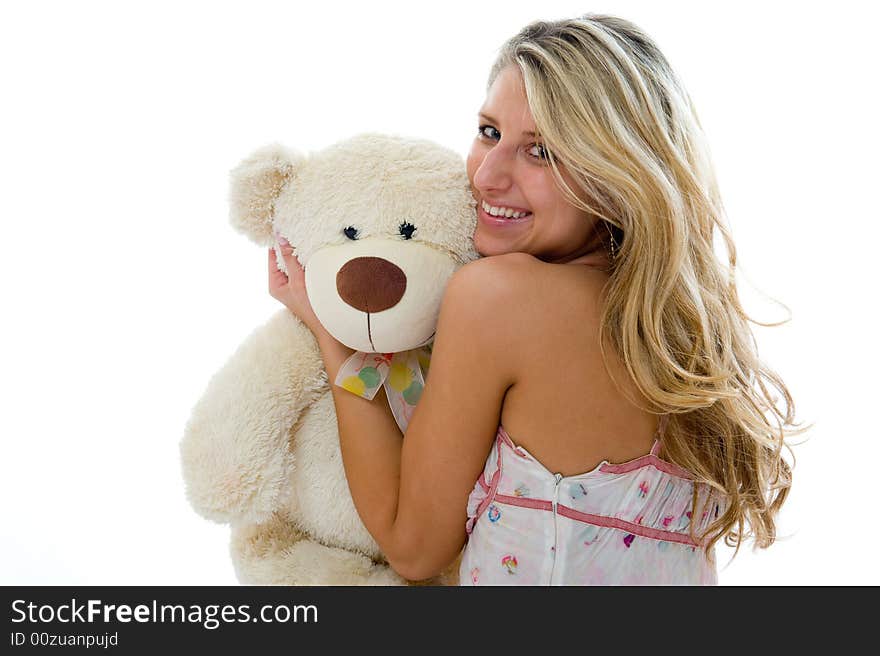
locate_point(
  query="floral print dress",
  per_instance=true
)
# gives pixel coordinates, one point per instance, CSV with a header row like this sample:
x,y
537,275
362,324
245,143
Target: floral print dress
x,y
619,524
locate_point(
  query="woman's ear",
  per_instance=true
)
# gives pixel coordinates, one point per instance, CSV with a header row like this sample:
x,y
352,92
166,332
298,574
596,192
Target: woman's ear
x,y
254,186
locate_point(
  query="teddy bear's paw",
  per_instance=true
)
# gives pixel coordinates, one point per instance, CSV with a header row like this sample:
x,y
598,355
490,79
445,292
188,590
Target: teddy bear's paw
x,y
255,548
276,553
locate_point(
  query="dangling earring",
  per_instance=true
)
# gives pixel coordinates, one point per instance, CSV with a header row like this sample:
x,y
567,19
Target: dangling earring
x,y
612,246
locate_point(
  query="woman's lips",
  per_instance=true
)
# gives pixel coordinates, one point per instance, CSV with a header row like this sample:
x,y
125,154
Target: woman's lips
x,y
496,221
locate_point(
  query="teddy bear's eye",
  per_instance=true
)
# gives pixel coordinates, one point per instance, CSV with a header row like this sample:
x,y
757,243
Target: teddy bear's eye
x,y
350,232
407,229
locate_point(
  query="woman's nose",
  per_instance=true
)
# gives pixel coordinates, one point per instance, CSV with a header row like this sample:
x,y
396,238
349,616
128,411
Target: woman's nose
x,y
494,171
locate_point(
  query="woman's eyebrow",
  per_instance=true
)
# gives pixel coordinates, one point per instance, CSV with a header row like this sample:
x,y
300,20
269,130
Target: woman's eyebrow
x,y
489,119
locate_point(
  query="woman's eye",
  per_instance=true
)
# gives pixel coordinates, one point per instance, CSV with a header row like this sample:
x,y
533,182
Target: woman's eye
x,y
350,232
538,151
407,229
489,132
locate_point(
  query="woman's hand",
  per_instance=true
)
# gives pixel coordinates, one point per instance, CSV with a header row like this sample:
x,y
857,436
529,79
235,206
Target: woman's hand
x,y
291,290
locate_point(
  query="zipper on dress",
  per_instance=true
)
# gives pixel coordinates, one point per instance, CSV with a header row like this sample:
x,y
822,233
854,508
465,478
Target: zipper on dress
x,y
556,491
555,526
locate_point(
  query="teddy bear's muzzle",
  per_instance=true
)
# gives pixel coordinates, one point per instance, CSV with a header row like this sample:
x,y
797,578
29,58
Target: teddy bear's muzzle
x,y
370,284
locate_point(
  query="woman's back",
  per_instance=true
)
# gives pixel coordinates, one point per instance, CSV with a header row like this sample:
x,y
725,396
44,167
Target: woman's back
x,y
564,407
573,490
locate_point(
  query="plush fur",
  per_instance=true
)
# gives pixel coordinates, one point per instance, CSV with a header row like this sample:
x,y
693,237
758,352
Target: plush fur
x,y
261,448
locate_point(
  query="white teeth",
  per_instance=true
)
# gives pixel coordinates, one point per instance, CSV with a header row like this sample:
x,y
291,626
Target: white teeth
x,y
506,212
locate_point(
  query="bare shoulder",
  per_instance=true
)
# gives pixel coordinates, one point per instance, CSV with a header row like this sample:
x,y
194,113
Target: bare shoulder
x,y
516,307
486,287
496,274
522,286
519,275
481,295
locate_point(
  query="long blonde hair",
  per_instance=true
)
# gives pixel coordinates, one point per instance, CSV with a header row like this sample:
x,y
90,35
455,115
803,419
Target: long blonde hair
x,y
613,113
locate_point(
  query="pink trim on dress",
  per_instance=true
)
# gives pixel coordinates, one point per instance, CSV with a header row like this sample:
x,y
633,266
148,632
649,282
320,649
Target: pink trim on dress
x,y
629,527
493,488
651,459
525,502
597,520
505,437
647,461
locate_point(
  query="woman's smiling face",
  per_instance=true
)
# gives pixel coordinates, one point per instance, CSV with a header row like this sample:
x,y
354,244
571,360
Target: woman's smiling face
x,y
507,170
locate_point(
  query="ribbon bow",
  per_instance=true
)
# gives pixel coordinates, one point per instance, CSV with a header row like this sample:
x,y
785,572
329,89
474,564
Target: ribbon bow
x,y
402,374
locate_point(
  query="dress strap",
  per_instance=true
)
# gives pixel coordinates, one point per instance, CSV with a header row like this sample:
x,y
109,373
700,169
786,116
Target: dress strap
x,y
661,427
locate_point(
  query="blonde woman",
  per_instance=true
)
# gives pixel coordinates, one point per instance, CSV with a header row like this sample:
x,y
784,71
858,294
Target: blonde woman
x,y
596,411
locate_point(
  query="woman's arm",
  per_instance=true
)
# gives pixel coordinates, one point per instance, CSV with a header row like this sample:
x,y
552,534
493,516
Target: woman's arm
x,y
412,493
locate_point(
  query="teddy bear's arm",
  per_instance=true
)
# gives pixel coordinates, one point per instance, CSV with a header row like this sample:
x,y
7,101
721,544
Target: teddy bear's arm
x,y
235,450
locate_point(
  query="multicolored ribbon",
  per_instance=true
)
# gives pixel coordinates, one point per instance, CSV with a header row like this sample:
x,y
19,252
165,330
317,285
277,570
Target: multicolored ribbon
x,y
402,374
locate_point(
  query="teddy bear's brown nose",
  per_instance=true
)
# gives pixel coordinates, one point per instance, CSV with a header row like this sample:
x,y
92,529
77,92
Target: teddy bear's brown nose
x,y
370,284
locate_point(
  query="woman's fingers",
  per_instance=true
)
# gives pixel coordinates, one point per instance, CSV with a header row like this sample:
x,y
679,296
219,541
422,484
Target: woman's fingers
x,y
278,280
274,270
290,288
295,272
287,253
294,268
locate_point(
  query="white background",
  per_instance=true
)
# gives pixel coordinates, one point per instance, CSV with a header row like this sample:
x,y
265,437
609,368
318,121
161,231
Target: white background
x,y
124,287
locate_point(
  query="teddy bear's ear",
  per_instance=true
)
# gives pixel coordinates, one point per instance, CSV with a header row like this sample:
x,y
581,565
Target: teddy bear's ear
x,y
255,184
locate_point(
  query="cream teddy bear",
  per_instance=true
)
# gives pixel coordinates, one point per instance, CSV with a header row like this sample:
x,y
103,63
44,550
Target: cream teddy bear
x,y
379,223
